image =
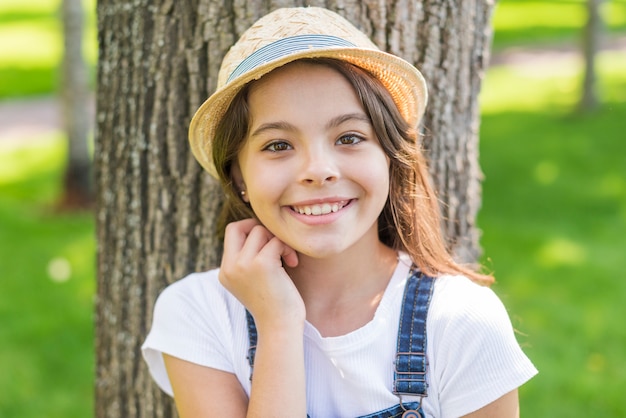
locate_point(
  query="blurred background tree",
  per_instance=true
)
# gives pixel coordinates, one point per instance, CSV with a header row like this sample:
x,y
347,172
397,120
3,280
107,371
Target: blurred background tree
x,y
592,39
78,183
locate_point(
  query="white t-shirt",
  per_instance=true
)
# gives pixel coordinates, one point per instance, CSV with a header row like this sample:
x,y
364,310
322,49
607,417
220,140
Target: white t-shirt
x,y
473,356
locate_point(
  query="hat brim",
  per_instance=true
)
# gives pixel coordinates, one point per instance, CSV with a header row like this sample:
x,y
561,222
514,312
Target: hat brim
x,y
403,81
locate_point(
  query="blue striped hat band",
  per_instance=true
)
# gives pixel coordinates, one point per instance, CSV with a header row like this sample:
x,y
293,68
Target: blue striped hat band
x,y
284,47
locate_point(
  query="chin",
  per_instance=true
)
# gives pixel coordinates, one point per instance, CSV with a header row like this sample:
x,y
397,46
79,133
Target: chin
x,y
320,250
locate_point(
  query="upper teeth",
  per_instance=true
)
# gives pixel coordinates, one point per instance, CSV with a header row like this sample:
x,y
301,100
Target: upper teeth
x,y
322,209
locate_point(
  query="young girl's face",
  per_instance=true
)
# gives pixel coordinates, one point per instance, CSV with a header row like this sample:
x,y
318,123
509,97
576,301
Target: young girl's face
x,y
312,167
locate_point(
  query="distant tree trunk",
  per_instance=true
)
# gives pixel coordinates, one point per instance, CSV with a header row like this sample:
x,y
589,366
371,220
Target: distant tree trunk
x,y
78,184
592,36
156,209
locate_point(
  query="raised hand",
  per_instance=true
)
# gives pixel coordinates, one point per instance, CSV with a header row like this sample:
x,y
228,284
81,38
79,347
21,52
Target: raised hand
x,y
252,270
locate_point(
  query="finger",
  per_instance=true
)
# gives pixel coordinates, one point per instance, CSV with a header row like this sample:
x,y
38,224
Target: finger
x,y
290,256
235,236
257,238
243,226
277,250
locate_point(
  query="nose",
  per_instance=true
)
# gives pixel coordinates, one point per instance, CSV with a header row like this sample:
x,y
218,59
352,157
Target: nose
x,y
319,167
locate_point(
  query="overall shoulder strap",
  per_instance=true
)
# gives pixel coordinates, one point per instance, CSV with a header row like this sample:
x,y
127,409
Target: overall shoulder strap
x,y
410,367
252,337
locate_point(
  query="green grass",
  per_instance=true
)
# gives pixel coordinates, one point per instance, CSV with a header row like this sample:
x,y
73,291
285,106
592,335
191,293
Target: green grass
x,y
554,221
47,287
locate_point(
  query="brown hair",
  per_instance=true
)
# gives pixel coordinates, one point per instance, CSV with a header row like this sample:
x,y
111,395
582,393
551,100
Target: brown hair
x,y
410,220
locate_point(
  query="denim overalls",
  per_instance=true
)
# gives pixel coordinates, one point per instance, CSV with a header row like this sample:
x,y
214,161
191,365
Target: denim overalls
x,y
410,370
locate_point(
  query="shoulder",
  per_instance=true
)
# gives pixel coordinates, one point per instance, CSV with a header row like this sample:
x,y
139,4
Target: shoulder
x,y
192,284
195,301
473,352
198,301
197,320
468,315
458,299
197,291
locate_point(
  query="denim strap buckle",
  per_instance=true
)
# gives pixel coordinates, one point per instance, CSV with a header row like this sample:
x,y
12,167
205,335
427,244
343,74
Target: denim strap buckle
x,y
410,362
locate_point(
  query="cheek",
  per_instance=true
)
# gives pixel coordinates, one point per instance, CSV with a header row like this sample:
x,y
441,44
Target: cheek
x,y
377,173
264,189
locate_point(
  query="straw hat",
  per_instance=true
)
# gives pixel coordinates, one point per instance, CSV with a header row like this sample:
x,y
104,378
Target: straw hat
x,y
286,35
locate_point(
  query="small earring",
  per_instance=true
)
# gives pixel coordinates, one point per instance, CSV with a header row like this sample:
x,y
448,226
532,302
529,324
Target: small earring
x,y
242,193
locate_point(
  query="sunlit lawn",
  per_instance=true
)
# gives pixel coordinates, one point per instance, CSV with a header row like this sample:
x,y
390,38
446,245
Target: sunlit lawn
x,y
553,220
46,289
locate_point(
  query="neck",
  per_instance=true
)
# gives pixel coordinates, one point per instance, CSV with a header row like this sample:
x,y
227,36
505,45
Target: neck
x,y
341,293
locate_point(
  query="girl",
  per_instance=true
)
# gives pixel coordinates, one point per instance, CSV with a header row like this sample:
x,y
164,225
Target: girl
x,y
335,296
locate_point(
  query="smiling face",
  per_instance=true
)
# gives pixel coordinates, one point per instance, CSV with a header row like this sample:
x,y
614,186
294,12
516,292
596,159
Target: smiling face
x,y
312,167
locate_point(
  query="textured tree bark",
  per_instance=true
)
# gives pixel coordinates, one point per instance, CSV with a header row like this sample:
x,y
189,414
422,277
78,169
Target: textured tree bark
x,y
453,43
156,209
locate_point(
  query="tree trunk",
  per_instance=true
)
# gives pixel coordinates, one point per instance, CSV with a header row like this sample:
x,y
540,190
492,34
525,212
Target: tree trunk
x,y
156,209
78,184
454,43
592,35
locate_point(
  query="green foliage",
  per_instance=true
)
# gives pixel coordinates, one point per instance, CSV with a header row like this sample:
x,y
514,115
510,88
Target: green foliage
x,y
533,23
32,46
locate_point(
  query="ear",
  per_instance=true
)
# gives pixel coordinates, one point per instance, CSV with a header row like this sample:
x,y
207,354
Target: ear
x,y
238,182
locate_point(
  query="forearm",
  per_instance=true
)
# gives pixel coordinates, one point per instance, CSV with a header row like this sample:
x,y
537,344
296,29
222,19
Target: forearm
x,y
278,381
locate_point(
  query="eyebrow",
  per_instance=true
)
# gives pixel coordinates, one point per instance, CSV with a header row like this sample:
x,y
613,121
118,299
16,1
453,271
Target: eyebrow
x,y
282,126
333,123
336,121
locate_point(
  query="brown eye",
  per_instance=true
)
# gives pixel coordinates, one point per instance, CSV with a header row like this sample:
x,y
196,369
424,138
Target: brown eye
x,y
277,146
350,139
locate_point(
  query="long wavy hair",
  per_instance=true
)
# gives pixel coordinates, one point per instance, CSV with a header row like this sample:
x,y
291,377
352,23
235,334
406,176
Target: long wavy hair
x,y
410,220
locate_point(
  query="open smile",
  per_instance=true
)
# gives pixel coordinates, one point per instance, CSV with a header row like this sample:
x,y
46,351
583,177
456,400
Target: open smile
x,y
320,209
